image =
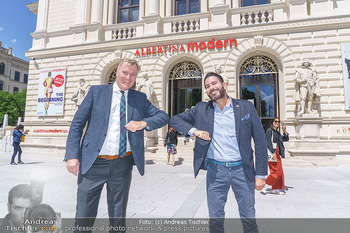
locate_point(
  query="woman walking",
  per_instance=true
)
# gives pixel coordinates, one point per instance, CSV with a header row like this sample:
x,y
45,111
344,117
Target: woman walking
x,y
171,143
17,134
276,149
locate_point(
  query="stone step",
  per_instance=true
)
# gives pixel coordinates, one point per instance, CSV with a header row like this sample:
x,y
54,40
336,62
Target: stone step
x,y
184,153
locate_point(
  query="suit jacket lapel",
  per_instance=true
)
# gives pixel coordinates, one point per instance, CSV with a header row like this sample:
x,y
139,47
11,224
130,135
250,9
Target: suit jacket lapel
x,y
237,112
107,106
210,113
130,104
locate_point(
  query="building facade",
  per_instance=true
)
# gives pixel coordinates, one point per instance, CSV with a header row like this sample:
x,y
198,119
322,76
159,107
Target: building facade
x,y
13,71
257,46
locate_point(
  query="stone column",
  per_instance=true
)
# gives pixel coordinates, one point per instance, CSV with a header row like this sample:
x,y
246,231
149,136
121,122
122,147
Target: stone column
x,y
105,12
81,12
153,7
219,3
152,19
141,9
219,14
168,8
112,12
41,23
96,11
235,4
298,9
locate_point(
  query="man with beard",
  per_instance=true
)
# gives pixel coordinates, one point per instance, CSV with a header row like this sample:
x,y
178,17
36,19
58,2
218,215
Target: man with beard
x,y
224,128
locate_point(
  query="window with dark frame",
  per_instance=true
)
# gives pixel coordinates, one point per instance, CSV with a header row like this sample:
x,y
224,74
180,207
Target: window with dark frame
x,y
128,11
1,85
2,68
25,79
15,90
254,2
183,7
17,75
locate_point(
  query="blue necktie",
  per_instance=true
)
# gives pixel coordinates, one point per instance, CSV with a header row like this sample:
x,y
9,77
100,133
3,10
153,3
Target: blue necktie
x,y
122,138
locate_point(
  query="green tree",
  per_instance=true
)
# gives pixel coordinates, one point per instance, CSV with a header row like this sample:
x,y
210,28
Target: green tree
x,y
12,104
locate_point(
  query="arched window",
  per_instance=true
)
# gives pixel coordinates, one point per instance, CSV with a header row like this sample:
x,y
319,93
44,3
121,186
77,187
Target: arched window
x,y
185,87
2,68
128,11
1,86
186,7
259,85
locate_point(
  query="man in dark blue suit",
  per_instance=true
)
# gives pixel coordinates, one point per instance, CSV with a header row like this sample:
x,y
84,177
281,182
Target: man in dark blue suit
x,y
116,117
224,128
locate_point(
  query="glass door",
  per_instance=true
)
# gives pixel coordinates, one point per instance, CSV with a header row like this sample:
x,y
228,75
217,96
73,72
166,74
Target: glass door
x,y
258,82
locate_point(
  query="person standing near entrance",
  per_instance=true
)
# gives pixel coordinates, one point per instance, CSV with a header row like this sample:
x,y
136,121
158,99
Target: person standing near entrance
x,y
116,117
224,128
275,146
171,143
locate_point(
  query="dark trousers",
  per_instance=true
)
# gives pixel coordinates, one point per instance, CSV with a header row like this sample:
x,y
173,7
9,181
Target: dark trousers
x,y
16,149
219,180
117,175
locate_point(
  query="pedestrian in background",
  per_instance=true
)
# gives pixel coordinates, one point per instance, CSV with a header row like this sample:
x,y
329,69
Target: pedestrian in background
x,y
17,136
275,146
171,143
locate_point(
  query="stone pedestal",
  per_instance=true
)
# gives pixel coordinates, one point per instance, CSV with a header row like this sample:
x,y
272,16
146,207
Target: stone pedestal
x,y
309,126
151,25
308,145
298,9
219,16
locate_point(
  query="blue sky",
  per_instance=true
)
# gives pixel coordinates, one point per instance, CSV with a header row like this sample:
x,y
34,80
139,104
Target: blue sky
x,y
16,24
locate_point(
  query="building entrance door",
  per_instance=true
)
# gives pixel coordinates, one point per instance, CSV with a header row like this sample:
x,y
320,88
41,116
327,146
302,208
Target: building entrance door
x,y
185,87
259,84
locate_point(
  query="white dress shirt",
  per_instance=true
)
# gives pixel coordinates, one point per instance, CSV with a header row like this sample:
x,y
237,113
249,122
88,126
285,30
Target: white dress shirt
x,y
111,143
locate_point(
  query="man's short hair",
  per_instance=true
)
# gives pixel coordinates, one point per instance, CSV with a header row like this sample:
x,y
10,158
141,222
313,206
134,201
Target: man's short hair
x,y
214,74
20,191
130,62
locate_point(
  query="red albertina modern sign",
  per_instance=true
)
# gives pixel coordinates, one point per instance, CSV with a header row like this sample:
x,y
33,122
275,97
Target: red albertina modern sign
x,y
193,46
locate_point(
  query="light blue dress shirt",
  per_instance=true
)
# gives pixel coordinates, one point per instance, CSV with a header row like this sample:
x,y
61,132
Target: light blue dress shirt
x,y
224,145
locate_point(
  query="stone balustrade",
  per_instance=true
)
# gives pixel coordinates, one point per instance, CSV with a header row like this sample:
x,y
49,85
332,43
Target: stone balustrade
x,y
256,17
123,33
185,25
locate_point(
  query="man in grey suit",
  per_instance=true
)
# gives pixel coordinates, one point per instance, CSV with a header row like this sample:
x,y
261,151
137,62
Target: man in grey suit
x,y
116,117
224,128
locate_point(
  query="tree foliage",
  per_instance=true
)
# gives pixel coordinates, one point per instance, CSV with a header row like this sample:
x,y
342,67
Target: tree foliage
x,y
12,104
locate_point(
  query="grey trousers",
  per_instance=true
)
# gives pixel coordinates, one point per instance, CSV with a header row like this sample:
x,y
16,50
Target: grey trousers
x,y
117,175
219,181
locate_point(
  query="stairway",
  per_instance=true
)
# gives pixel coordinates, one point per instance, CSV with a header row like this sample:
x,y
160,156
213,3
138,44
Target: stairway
x,y
184,153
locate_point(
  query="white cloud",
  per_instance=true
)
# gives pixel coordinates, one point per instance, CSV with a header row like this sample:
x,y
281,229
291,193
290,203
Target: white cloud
x,y
13,41
1,29
268,98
